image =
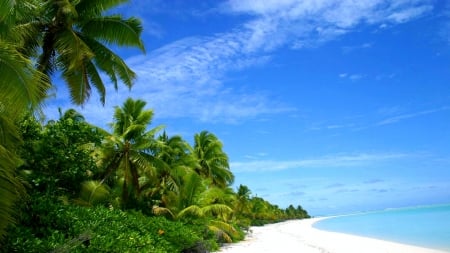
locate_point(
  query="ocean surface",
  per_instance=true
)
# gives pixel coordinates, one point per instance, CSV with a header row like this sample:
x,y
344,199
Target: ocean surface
x,y
427,226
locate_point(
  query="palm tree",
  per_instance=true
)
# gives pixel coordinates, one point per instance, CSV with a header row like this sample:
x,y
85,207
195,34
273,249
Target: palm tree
x,y
213,160
242,199
175,161
21,87
72,37
128,150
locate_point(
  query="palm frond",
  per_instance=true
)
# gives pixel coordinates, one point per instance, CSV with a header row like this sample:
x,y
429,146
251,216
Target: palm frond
x,y
190,211
78,84
93,8
217,210
96,80
115,30
8,186
72,50
6,7
93,192
20,82
110,63
221,234
152,132
157,210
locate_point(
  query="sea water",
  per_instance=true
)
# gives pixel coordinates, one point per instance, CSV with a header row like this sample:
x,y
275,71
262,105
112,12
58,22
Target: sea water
x,y
427,226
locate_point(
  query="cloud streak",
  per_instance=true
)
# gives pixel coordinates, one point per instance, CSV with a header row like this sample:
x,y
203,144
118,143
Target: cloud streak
x,y
402,117
335,161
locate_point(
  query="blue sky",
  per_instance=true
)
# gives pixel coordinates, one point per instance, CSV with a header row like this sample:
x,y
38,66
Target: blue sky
x,y
336,105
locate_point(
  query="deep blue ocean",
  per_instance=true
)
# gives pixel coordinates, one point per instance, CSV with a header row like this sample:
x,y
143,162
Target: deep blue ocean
x,y
427,226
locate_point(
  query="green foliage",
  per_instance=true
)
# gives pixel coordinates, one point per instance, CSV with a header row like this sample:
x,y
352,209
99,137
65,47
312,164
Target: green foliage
x,y
213,160
126,154
47,225
73,37
57,157
81,176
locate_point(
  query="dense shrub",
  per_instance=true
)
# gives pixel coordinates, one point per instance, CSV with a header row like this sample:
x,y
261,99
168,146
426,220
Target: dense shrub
x,y
57,157
55,227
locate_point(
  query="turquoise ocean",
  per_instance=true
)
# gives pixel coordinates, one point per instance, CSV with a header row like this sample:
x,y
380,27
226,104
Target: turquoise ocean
x,y
426,226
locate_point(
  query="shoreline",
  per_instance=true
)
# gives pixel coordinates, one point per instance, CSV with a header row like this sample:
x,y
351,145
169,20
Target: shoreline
x,y
301,236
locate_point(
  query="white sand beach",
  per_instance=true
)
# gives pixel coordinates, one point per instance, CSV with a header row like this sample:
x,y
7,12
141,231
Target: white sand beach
x,y
299,236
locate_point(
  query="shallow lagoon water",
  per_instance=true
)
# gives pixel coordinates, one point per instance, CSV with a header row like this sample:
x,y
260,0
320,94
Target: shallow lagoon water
x,y
427,226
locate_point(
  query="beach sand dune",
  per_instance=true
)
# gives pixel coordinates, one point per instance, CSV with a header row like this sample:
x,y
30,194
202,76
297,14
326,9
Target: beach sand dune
x,y
299,236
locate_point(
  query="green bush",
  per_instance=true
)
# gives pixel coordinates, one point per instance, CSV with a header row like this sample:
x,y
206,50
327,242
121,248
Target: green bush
x,y
55,227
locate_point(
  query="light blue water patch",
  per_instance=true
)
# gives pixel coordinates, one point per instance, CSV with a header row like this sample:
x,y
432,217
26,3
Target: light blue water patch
x,y
422,226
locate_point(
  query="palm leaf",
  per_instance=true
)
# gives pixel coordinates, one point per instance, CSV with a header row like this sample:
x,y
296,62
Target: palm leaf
x,y
221,234
157,210
110,63
93,192
96,80
115,30
78,83
216,210
192,210
93,8
5,9
20,84
8,186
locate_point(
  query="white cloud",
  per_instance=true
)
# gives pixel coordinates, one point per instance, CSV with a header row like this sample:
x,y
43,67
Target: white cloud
x,y
352,77
187,78
398,118
355,77
334,161
301,23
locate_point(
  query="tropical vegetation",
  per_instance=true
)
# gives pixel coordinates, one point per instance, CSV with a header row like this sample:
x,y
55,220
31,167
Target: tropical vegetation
x,y
67,185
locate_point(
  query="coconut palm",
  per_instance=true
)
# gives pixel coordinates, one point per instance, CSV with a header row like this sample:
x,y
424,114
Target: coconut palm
x,y
21,87
127,152
242,203
73,37
194,201
213,160
176,160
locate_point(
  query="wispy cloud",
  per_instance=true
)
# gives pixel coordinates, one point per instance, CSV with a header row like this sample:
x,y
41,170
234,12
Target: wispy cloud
x,y
398,118
388,115
349,49
304,23
334,161
373,181
188,77
352,77
335,185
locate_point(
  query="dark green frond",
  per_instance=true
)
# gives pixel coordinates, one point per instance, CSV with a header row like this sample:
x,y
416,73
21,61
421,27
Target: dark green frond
x,y
72,50
96,80
94,8
114,30
5,8
78,84
19,81
110,63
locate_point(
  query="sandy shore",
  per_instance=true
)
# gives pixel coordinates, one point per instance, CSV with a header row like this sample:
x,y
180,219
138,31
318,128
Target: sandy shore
x,y
299,236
